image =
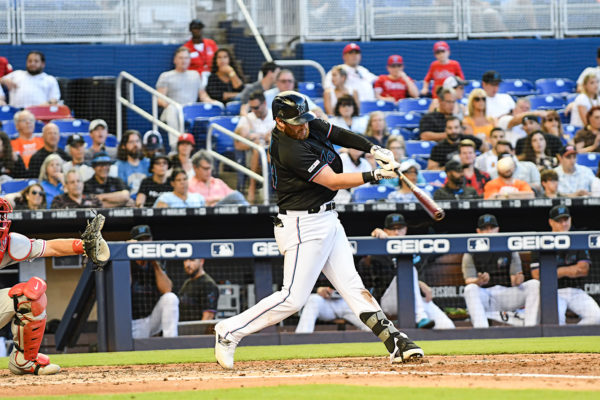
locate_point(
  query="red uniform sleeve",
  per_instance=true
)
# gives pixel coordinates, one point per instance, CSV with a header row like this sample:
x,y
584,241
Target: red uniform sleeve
x,y
459,71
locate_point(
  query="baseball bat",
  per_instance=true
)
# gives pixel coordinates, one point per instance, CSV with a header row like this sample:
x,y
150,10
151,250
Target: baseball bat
x,y
436,212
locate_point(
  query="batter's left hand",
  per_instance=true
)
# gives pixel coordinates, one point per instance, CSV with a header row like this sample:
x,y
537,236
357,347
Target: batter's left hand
x,y
384,157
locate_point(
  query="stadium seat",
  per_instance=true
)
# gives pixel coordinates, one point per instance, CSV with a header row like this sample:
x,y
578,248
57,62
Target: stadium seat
x,y
419,85
571,97
474,84
233,108
11,130
319,103
419,148
205,110
570,129
371,193
589,160
16,185
72,125
434,178
311,89
47,113
223,143
546,102
403,120
418,105
555,85
407,133
7,112
517,87
367,107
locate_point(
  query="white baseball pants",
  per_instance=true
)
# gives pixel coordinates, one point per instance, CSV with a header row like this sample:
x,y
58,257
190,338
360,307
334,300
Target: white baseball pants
x,y
164,317
502,298
580,303
311,243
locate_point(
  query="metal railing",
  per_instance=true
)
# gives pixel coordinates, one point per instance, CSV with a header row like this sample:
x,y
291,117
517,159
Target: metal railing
x,y
264,179
130,103
303,63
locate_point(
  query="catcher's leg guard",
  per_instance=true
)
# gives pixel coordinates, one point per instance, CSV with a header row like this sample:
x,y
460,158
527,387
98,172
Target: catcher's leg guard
x,y
28,329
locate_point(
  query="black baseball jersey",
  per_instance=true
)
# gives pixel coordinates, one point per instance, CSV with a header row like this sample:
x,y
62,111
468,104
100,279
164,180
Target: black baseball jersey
x,y
144,292
564,259
295,163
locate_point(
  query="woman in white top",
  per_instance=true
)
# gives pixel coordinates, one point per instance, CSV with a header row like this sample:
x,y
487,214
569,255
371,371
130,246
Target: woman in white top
x,y
179,197
346,115
586,100
332,94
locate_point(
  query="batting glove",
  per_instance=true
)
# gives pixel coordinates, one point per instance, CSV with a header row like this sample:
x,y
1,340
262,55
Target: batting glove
x,y
381,173
384,157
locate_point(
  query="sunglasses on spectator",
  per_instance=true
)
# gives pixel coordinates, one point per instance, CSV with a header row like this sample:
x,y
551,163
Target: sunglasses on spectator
x,y
440,51
286,80
550,119
396,65
254,107
478,98
36,192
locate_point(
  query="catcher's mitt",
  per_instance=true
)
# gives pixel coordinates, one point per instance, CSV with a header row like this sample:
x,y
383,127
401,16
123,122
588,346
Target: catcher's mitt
x,y
96,248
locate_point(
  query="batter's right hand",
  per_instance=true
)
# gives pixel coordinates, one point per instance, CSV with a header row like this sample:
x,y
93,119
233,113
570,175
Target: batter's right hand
x,y
381,173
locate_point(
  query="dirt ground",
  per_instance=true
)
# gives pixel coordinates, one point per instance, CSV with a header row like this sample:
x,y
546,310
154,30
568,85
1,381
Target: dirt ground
x,y
529,371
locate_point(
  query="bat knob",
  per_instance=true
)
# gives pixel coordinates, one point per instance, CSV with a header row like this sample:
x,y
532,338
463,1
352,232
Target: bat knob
x,y
439,214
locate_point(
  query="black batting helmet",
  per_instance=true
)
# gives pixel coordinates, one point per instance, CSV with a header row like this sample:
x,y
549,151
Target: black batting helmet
x,y
292,108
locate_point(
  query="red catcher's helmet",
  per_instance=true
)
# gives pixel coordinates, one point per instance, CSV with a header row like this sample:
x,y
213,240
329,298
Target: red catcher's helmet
x,y
5,209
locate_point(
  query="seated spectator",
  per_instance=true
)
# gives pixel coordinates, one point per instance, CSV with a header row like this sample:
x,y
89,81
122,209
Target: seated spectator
x,y
403,194
179,197
531,124
32,197
50,136
214,191
11,163
587,99
269,71
354,161
448,147
154,306
182,157
285,81
377,130
338,88
525,170
202,50
73,196
455,188
587,140
26,144
536,151
573,180
225,81
513,123
199,294
396,84
505,186
360,79
33,86
473,177
131,166
396,144
182,85
497,104
76,150
441,68
152,144
346,115
433,124
551,124
549,179
111,191
51,177
99,132
486,162
478,123
156,184
458,85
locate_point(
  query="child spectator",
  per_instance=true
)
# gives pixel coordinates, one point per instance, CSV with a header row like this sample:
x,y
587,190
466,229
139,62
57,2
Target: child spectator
x,y
440,69
396,85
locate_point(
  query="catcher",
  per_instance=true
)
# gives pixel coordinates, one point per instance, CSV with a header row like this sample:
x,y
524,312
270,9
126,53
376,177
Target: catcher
x,y
25,303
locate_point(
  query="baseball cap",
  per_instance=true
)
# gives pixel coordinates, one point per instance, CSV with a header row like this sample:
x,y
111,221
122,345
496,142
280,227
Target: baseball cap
x,y
101,157
558,212
187,137
351,47
152,140
393,220
491,77
75,139
531,117
141,231
156,157
487,220
452,82
408,164
96,123
441,45
196,23
453,165
395,59
567,150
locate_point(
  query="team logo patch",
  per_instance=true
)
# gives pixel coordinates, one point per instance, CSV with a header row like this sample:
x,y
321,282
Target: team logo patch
x,y
478,244
594,241
222,249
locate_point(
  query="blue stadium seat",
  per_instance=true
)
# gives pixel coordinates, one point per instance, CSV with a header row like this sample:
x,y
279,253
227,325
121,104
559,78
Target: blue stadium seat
x,y
403,120
589,160
7,112
517,87
419,85
546,102
474,84
11,130
367,107
421,161
111,141
564,118
371,193
419,148
311,89
571,130
407,133
418,105
72,125
555,85
199,128
434,178
196,110
233,108
16,185
223,143
319,103
571,97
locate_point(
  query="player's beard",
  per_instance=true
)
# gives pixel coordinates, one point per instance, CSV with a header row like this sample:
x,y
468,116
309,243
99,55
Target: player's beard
x,y
301,134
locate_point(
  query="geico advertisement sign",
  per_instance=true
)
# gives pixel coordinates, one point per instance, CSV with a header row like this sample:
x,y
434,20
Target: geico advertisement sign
x,y
411,246
159,250
543,242
265,249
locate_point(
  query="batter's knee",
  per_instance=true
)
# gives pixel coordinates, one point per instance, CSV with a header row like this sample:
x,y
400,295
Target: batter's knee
x,y
169,299
471,289
532,285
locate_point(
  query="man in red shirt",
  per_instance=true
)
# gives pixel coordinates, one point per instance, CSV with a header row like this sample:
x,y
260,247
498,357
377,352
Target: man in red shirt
x,y
202,50
397,85
441,68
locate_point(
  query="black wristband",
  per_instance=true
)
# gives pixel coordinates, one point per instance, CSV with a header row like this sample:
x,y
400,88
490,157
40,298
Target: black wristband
x,y
369,177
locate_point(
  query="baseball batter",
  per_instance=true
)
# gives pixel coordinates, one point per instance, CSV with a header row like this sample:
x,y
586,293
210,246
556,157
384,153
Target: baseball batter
x,y
25,303
306,174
